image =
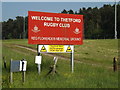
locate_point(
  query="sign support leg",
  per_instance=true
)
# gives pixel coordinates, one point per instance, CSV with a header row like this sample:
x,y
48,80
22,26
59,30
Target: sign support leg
x,y
11,77
38,68
23,76
72,62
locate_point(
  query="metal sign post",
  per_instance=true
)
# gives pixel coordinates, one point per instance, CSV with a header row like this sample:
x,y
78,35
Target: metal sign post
x,y
38,60
38,64
39,69
23,72
72,62
11,73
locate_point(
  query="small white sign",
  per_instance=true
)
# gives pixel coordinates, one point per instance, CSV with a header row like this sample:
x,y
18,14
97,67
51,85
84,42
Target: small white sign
x,y
24,65
38,59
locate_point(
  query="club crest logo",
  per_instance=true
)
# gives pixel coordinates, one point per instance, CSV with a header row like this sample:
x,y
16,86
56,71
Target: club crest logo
x,y
77,31
35,29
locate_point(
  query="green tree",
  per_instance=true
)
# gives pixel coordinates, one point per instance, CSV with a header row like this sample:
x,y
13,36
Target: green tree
x,y
107,21
70,12
118,20
64,11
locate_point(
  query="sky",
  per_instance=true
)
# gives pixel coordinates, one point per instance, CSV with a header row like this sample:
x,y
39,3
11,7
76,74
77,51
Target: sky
x,y
58,0
13,9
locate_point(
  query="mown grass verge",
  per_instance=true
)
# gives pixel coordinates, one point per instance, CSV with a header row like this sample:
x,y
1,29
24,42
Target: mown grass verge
x,y
84,76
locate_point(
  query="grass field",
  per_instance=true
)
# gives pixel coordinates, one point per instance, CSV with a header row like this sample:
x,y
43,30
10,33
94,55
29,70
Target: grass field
x,y
93,66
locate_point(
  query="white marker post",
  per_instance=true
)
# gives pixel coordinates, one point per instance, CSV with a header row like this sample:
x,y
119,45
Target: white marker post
x,y
38,61
55,62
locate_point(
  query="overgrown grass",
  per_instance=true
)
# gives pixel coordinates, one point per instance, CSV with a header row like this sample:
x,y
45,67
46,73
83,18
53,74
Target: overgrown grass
x,y
86,75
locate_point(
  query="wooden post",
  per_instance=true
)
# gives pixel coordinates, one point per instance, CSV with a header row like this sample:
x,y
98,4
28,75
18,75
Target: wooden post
x,y
114,64
5,66
11,73
53,67
55,62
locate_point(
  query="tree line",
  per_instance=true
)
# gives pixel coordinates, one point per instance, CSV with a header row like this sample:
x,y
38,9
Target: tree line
x,y
99,23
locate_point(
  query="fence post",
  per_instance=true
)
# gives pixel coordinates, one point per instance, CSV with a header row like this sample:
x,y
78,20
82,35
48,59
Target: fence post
x,y
5,64
11,73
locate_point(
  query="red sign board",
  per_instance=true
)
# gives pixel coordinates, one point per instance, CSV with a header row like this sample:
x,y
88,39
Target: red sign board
x,y
55,28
